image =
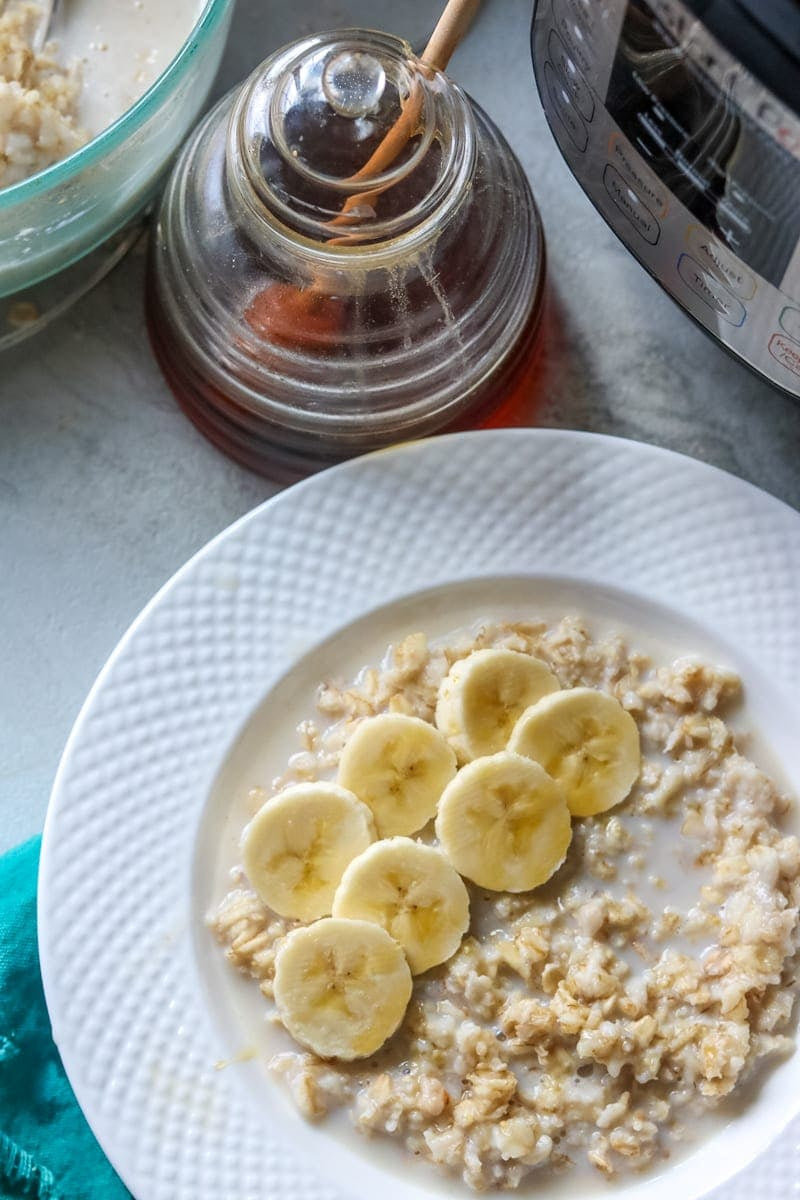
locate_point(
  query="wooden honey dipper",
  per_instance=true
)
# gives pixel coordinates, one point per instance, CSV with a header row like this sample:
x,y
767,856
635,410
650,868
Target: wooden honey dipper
x,y
305,316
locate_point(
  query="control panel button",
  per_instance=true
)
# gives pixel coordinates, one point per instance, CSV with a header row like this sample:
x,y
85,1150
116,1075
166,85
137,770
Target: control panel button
x,y
575,38
631,204
560,99
571,77
644,182
711,291
786,352
719,261
789,321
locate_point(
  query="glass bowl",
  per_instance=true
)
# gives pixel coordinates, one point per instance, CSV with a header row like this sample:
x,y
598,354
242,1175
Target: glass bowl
x,y
84,203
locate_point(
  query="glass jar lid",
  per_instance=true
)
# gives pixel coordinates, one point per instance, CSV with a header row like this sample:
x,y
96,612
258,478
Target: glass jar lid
x,y
349,138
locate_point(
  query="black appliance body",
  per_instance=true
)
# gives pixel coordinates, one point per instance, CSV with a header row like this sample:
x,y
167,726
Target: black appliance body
x,y
680,121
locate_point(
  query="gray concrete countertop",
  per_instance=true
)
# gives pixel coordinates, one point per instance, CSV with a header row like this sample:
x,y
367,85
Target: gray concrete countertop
x,y
106,488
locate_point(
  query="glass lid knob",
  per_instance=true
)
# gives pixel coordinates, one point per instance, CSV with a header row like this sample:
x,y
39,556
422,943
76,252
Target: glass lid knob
x,y
353,83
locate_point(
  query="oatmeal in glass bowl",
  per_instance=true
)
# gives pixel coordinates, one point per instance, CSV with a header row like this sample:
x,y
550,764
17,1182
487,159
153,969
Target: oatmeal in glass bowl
x,y
89,122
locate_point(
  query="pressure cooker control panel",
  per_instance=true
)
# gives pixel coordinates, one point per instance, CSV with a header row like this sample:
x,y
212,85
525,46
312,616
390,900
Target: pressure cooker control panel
x,y
691,161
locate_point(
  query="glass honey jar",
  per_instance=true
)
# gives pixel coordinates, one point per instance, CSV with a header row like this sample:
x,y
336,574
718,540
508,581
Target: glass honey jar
x,y
306,305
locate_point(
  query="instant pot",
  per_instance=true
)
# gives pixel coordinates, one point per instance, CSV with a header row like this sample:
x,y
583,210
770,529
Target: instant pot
x,y
681,121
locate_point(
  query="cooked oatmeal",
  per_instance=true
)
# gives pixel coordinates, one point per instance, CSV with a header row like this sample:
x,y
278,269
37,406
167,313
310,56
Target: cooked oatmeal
x,y
104,54
587,1020
38,99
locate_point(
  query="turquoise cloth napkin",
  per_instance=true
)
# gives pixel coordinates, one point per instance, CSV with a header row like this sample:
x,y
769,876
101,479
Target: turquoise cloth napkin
x,y
47,1150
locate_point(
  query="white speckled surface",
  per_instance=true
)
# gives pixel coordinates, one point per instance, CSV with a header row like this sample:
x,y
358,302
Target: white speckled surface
x,y
105,488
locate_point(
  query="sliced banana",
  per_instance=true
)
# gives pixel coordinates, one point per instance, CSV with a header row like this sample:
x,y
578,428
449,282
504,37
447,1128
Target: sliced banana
x,y
587,742
413,892
504,823
341,987
296,847
482,696
399,766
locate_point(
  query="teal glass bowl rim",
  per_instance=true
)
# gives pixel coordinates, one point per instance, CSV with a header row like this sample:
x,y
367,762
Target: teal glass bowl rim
x,y
132,119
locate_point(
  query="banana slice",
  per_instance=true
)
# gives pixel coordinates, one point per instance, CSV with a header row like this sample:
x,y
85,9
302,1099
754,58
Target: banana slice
x,y
482,696
587,742
341,987
298,844
504,823
413,892
399,767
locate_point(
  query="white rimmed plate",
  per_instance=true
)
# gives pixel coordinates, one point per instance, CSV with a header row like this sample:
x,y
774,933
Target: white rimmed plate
x,y
428,534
